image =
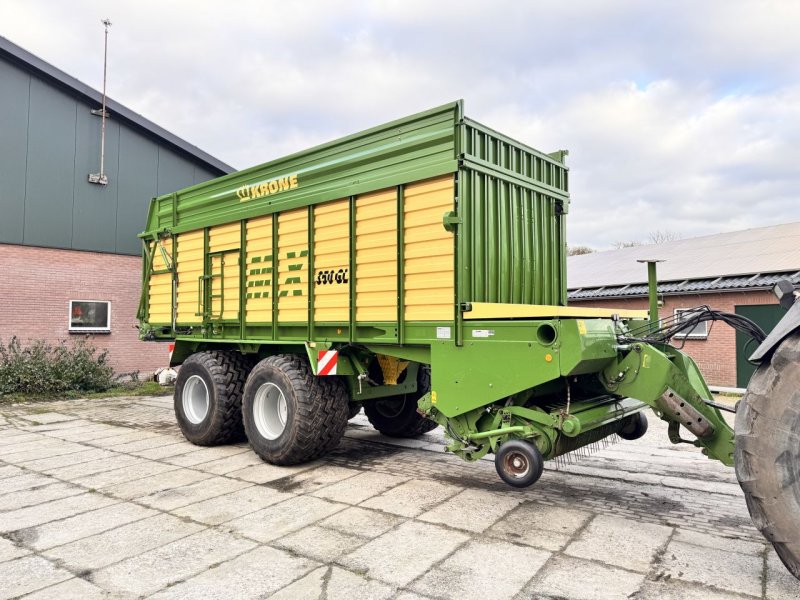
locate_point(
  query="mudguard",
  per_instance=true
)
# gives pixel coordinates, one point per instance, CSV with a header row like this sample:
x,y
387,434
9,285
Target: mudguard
x,y
787,325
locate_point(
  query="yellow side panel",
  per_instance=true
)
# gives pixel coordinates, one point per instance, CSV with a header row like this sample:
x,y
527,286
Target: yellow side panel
x,y
376,256
332,261
189,262
160,288
258,301
429,254
293,266
221,238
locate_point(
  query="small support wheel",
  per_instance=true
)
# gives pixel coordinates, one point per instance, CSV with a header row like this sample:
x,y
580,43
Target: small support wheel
x,y
635,427
519,463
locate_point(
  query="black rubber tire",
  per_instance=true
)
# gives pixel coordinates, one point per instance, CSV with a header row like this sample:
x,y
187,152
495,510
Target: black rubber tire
x,y
316,410
635,427
519,450
397,416
767,453
224,374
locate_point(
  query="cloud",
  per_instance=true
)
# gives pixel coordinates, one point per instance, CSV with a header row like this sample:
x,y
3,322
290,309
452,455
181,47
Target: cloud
x,y
685,123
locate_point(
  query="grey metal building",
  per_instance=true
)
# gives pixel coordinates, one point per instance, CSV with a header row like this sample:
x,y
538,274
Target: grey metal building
x,y
49,144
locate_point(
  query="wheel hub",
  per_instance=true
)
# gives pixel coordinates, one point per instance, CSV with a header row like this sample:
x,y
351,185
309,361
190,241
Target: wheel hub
x,y
270,411
516,464
195,399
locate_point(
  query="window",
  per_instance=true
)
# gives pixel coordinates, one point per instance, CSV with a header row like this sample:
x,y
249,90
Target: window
x,y
699,331
92,316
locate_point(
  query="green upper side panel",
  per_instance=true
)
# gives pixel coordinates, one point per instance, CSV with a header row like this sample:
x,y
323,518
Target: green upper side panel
x,y
423,145
409,149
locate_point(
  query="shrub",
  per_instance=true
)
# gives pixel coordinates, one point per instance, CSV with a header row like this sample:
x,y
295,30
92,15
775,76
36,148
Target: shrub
x,y
42,368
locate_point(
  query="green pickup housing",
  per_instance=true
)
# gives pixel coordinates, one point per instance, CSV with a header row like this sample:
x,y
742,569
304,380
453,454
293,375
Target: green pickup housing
x,y
427,242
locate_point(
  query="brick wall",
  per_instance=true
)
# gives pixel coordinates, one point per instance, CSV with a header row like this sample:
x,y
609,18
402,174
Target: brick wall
x,y
716,355
38,283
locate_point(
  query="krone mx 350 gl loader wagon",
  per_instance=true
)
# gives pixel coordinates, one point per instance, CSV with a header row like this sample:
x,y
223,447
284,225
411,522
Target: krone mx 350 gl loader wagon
x,y
417,270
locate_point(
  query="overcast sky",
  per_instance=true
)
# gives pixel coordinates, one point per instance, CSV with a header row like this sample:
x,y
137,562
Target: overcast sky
x,y
680,116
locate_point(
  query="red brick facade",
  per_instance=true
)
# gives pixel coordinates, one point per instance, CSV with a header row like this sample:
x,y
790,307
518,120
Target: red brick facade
x,y
715,355
38,283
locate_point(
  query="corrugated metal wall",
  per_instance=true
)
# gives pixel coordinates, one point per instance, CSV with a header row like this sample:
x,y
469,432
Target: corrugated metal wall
x,y
49,143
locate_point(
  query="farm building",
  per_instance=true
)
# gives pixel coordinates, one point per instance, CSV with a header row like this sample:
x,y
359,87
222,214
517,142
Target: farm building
x,y
733,272
70,256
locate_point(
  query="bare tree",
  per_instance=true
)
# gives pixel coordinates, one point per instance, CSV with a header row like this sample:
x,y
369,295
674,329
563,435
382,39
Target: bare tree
x,y
659,237
629,244
578,250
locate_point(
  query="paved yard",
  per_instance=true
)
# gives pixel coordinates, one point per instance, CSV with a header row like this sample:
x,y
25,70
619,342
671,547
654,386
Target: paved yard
x,y
104,498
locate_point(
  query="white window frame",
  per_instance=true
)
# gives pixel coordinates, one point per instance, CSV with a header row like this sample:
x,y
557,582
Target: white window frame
x,y
691,336
106,329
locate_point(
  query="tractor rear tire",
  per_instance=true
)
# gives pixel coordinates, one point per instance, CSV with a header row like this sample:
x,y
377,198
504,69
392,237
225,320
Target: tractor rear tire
x,y
767,453
208,397
290,415
397,416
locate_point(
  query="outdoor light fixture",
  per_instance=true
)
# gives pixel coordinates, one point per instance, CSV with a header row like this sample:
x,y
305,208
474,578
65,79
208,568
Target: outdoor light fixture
x,y
784,292
100,178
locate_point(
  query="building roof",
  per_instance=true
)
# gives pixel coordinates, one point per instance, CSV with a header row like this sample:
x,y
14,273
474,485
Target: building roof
x,y
749,259
48,72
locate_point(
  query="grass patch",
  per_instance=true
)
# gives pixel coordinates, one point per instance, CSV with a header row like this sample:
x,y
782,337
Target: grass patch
x,y
147,388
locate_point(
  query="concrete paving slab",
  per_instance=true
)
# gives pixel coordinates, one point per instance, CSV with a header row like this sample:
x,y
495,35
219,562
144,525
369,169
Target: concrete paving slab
x,y
311,480
281,519
54,464
7,471
39,449
576,579
103,549
210,486
25,481
413,497
781,585
333,583
154,484
540,525
243,577
177,449
263,472
37,495
151,571
359,488
98,432
473,510
229,463
32,516
205,456
72,589
146,444
728,544
17,438
403,554
138,470
82,525
230,506
47,418
733,572
85,469
9,550
362,522
678,590
115,438
28,574
483,569
620,542
320,543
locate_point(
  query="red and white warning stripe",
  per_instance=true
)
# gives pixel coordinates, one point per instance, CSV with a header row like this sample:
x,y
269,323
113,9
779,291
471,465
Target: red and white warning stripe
x,y
326,362
171,350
